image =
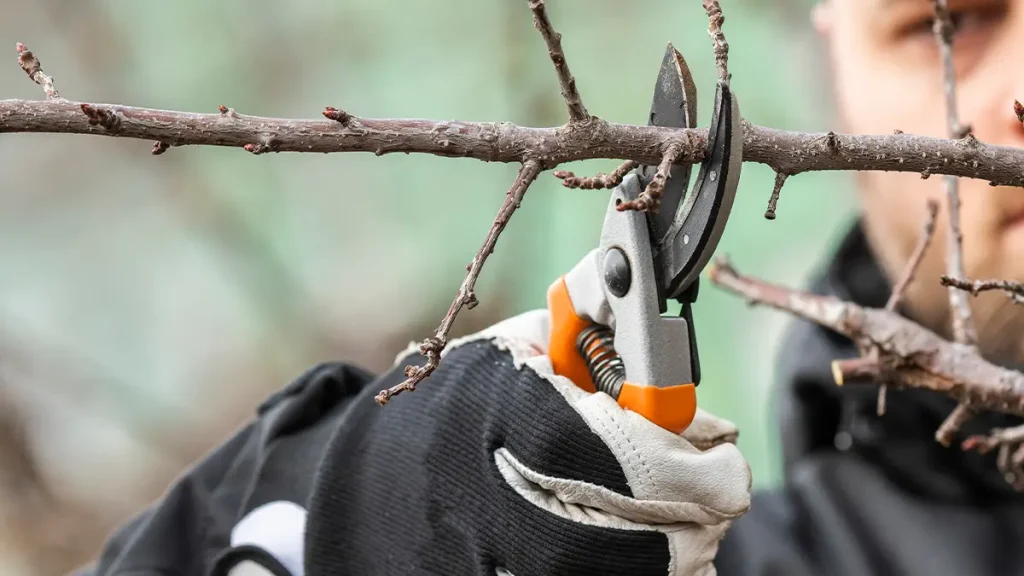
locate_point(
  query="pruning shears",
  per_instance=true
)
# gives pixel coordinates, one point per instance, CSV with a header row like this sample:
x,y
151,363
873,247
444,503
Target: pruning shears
x,y
608,328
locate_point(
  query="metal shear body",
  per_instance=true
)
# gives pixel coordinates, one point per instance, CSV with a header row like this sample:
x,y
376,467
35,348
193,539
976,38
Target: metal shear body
x,y
608,331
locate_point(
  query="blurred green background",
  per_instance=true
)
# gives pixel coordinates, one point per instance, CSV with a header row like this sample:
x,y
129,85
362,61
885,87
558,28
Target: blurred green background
x,y
147,304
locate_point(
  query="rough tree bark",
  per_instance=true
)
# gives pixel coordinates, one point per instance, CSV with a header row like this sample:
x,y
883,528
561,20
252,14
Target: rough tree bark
x,y
896,351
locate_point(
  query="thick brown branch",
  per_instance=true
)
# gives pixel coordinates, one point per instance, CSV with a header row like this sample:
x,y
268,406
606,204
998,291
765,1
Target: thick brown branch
x,y
577,112
784,151
34,68
963,323
570,180
433,347
918,357
1015,290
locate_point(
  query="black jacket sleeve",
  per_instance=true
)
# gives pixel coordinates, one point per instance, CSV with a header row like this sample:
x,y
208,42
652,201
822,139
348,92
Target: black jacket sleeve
x,y
272,458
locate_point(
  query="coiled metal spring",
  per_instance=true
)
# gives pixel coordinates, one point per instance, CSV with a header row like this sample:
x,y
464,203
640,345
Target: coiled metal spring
x,y
596,343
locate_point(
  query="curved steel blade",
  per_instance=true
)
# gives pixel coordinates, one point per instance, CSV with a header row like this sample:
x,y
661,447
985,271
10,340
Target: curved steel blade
x,y
702,218
674,106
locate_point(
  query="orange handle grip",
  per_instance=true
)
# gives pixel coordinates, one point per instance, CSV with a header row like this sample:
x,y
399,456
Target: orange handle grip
x,y
672,408
565,328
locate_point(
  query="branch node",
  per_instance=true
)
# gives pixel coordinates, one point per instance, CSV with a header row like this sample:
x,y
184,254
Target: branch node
x,y
229,112
159,147
1018,110
266,144
340,116
108,119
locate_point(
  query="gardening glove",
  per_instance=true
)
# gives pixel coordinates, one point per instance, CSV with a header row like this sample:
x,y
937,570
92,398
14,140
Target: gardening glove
x,y
496,465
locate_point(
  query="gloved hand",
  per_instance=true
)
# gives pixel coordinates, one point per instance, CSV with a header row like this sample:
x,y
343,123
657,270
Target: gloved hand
x,y
495,465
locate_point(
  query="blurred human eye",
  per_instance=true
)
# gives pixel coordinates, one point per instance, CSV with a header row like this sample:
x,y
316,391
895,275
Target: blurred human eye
x,y
973,22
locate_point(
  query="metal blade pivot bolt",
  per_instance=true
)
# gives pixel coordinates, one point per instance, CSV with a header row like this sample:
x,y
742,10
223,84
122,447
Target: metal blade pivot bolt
x,y
617,275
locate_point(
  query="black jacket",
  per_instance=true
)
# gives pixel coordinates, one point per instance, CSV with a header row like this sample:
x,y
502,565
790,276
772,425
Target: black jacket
x,y
863,495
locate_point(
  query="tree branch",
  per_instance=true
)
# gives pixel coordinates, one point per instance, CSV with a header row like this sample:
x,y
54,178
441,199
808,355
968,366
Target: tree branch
x,y
1015,290
782,150
577,112
716,19
570,180
432,347
773,201
923,241
900,289
650,198
34,68
963,323
913,356
1010,461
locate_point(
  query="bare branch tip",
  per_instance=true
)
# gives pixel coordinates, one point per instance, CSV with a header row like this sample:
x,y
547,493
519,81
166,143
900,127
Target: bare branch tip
x,y
721,46
34,69
553,40
780,180
108,119
953,423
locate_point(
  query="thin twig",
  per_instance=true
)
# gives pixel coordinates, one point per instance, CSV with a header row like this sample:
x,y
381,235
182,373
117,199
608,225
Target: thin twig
x,y
577,112
433,347
963,323
570,180
34,68
716,20
650,198
1010,461
909,270
916,257
985,444
773,202
1015,290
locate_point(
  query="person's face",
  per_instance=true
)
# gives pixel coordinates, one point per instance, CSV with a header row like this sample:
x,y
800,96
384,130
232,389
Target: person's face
x,y
887,75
